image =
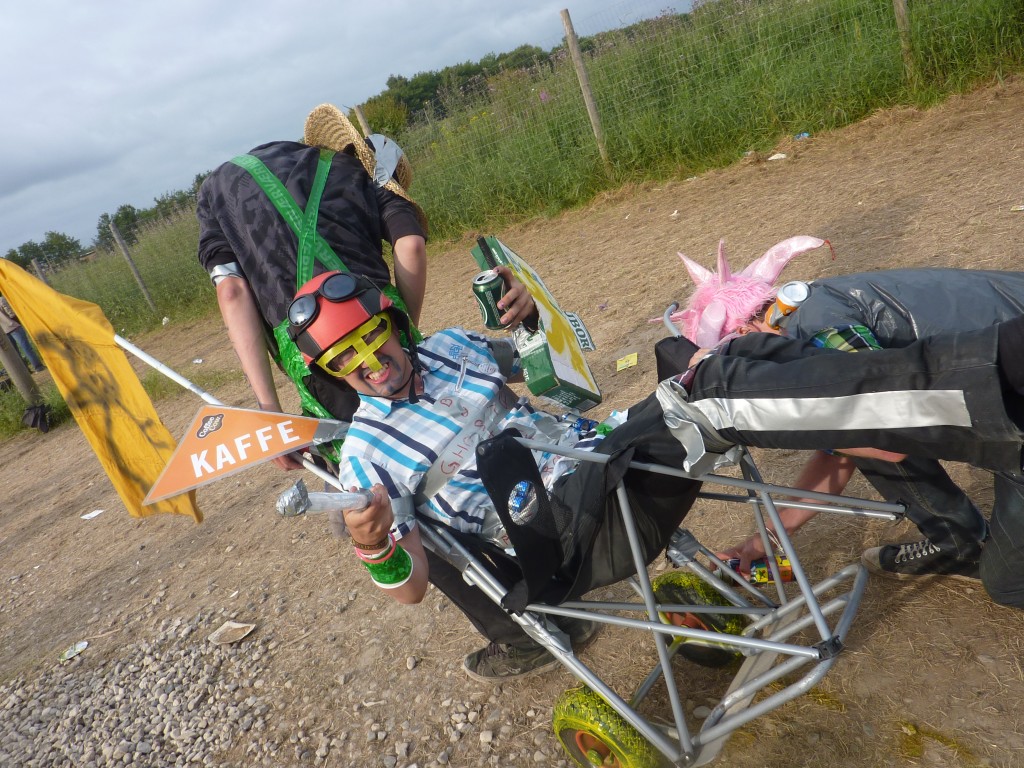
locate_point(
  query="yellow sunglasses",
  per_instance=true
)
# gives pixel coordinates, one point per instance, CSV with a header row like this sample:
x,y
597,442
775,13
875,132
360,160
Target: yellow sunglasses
x,y
362,343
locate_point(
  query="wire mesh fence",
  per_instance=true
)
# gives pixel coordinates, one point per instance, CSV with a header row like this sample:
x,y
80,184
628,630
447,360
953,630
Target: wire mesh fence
x,y
164,252
679,92
676,92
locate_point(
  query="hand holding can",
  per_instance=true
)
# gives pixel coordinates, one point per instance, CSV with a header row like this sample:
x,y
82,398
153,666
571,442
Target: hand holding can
x,y
488,288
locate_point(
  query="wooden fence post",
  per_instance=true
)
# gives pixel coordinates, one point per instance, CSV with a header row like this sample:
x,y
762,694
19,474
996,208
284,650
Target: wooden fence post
x,y
131,265
903,27
40,273
361,117
588,95
15,367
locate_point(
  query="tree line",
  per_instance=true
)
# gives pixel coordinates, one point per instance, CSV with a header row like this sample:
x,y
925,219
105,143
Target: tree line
x,y
57,248
393,110
390,111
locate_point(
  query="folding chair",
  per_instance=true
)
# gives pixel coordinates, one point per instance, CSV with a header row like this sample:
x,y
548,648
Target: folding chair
x,y
781,640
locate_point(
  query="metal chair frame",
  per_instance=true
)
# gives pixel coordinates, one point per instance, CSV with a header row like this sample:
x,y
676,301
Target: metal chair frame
x,y
821,613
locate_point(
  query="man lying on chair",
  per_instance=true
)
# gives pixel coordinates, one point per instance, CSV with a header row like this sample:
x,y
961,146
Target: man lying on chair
x,y
424,407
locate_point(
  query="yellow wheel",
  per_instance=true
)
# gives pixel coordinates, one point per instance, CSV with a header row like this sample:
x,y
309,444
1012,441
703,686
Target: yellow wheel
x,y
594,734
685,588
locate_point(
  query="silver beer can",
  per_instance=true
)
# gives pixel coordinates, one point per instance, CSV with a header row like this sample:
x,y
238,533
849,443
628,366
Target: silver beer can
x,y
790,296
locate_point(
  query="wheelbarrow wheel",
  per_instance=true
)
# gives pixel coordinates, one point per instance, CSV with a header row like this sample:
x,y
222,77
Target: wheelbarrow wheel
x,y
594,734
685,588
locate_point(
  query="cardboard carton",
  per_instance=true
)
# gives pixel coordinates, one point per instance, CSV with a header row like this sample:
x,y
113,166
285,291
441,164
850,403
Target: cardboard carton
x,y
553,362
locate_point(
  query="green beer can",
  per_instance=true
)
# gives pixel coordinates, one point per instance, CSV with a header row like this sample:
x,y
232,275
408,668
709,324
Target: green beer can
x,y
488,287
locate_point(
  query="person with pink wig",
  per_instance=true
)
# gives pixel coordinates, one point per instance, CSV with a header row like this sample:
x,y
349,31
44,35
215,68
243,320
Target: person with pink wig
x,y
868,311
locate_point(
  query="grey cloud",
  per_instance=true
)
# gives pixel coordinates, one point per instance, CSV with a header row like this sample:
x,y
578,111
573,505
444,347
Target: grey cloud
x,y
120,101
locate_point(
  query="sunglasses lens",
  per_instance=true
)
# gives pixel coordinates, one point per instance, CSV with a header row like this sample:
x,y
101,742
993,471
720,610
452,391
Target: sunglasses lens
x,y
302,310
338,287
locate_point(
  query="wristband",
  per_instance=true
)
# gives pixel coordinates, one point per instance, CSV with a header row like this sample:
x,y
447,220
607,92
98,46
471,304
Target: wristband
x,y
378,557
393,572
372,547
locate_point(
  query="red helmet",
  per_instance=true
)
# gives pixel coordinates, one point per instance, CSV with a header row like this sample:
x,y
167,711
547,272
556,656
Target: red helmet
x,y
329,307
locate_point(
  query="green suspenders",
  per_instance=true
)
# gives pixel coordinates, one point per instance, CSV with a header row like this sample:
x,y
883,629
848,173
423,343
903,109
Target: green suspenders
x,y
311,244
312,247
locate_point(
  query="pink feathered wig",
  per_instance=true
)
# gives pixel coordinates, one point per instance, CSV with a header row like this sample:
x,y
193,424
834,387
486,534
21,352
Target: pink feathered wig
x,y
724,301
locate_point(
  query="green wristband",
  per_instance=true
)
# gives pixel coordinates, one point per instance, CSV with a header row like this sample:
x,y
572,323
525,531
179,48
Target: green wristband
x,y
393,572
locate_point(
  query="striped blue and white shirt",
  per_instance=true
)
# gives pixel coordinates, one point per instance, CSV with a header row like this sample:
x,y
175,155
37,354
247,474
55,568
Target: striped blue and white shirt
x,y
394,442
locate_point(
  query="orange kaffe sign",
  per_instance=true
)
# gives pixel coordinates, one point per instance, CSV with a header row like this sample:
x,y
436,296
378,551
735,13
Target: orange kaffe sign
x,y
222,441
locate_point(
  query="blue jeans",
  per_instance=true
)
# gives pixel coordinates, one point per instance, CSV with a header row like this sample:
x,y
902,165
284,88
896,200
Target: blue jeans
x,y
935,504
20,339
1001,560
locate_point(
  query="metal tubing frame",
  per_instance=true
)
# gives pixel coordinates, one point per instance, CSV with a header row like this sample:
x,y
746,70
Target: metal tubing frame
x,y
684,749
777,622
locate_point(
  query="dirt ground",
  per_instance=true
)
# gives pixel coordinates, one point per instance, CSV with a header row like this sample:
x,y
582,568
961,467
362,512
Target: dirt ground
x,y
932,675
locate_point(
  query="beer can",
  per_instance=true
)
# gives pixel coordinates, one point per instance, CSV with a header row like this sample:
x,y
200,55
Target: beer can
x,y
789,297
583,425
522,503
488,288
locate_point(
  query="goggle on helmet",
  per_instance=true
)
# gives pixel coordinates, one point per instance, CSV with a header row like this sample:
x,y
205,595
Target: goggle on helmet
x,y
334,313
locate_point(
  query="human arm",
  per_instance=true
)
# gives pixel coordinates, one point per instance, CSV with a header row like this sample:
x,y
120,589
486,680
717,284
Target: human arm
x,y
823,472
236,300
410,253
372,525
871,453
245,330
401,227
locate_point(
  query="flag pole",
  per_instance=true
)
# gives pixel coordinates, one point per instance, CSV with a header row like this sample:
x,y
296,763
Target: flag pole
x,y
209,399
168,372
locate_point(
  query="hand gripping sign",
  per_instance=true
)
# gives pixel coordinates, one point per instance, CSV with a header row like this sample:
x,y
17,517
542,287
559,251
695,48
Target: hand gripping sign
x,y
222,441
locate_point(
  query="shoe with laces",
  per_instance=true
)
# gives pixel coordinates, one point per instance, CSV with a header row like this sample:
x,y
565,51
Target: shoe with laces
x,y
918,558
501,661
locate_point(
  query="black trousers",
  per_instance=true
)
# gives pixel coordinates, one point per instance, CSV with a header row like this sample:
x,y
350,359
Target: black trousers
x,y
935,504
946,397
943,397
939,508
483,613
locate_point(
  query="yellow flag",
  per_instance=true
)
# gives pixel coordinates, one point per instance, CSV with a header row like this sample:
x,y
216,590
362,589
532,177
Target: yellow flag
x,y
100,387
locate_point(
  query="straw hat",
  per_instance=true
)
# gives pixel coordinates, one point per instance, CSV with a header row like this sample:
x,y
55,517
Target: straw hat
x,y
329,128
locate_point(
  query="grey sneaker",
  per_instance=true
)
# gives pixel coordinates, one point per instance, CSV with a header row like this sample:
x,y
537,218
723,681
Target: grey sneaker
x,y
500,661
918,558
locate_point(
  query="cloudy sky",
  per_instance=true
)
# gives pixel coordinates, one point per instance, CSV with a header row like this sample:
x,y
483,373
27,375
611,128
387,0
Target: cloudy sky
x,y
119,101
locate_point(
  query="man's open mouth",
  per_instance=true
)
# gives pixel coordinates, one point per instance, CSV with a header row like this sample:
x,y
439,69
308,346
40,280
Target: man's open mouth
x,y
375,377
